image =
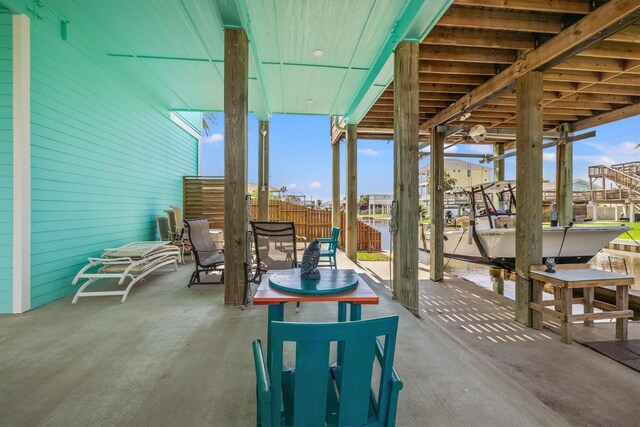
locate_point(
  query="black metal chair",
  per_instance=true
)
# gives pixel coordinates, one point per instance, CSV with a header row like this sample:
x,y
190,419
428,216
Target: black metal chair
x,y
275,246
208,257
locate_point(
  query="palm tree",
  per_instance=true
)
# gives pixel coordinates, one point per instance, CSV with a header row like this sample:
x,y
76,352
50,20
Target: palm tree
x,y
206,118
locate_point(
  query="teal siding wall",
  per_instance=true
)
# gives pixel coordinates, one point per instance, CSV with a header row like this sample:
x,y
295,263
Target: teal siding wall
x,y
105,162
6,164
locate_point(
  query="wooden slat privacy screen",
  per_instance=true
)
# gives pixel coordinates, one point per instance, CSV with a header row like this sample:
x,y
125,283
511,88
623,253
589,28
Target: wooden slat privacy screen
x,y
204,198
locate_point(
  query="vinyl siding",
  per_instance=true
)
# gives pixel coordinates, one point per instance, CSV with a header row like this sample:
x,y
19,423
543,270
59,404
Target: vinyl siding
x,y
104,162
6,164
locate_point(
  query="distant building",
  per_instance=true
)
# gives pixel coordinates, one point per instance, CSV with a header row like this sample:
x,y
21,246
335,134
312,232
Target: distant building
x,y
465,174
380,203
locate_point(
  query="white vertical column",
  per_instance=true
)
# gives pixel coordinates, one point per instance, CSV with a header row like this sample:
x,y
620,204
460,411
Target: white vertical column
x,y
21,164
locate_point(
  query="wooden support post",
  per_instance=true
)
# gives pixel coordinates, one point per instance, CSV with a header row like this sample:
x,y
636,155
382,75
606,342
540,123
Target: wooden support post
x,y
236,85
405,175
498,165
436,195
263,171
351,235
564,183
335,185
529,185
498,172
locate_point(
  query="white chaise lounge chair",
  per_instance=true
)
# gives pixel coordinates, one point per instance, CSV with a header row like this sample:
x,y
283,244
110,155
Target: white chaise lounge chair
x,y
133,261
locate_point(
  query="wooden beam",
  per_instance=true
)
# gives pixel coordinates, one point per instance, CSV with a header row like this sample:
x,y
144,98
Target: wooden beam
x,y
617,50
498,165
586,63
468,54
625,79
463,17
529,185
455,79
480,38
559,103
236,110
440,88
436,204
351,232
628,34
571,76
608,89
567,43
405,176
554,6
335,185
441,67
608,117
564,183
263,171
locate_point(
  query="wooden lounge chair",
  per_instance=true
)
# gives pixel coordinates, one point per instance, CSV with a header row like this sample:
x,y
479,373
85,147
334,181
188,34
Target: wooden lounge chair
x,y
318,392
328,255
208,257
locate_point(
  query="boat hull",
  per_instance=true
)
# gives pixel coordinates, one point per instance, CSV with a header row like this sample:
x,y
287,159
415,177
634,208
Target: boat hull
x,y
579,244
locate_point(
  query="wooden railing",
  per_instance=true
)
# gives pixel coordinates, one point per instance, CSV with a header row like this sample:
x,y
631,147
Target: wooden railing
x,y
623,175
204,198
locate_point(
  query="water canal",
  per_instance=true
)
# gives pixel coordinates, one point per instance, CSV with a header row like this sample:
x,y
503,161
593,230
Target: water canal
x,y
607,259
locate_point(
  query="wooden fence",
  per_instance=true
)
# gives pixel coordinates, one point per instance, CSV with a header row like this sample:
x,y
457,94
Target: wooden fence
x,y
313,223
204,198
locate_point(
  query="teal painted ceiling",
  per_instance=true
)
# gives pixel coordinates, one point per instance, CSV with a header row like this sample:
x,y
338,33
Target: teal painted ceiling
x,y
173,49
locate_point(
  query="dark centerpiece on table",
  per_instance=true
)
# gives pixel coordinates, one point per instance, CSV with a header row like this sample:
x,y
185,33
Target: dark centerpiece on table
x,y
309,266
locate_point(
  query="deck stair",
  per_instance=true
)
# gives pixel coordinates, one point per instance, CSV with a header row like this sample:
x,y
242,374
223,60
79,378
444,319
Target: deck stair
x,y
624,176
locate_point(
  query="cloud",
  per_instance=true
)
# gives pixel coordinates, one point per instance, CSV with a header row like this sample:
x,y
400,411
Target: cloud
x,y
216,137
549,157
291,187
368,152
315,185
453,149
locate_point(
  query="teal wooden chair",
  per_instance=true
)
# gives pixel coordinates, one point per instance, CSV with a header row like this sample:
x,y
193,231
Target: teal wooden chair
x,y
317,393
328,256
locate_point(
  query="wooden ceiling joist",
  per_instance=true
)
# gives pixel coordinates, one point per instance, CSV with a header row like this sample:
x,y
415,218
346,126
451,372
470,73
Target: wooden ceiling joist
x,y
594,27
480,38
555,6
608,117
468,54
441,67
464,17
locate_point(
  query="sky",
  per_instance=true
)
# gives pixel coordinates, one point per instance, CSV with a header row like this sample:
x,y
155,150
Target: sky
x,y
300,155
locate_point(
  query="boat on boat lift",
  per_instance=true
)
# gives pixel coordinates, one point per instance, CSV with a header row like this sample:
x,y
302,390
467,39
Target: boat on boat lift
x,y
491,237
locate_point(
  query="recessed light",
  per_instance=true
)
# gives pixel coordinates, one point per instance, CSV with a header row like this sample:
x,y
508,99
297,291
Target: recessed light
x,y
308,101
318,53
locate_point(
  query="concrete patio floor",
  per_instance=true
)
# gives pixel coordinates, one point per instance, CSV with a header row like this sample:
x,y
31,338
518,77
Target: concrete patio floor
x,y
176,356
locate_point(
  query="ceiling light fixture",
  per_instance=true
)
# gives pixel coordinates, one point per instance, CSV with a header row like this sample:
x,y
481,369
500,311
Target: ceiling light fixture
x,y
308,101
318,53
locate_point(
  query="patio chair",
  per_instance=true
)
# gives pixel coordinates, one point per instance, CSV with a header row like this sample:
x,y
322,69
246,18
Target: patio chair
x,y
328,256
208,258
275,247
164,231
318,392
176,230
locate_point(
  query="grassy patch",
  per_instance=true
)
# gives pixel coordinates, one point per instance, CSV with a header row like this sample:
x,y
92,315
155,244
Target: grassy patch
x,y
373,256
